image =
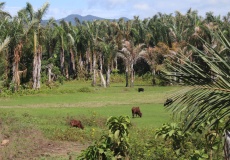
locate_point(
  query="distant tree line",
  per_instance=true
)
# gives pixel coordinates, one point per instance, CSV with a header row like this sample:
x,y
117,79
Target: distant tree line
x,y
32,53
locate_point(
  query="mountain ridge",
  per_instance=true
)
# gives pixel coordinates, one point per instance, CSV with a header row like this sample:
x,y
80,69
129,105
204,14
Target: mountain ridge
x,y
71,18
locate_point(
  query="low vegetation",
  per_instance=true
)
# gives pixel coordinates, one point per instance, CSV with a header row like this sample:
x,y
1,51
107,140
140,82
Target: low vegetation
x,y
36,130
46,114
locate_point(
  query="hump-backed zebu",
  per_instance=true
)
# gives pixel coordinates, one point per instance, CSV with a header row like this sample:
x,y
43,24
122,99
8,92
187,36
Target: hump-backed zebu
x,y
136,111
76,123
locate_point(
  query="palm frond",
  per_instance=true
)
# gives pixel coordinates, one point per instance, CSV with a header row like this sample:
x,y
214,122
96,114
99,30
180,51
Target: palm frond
x,y
4,44
42,11
71,39
29,26
208,95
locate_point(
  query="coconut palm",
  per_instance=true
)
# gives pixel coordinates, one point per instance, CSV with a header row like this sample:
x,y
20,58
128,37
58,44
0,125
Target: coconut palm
x,y
208,93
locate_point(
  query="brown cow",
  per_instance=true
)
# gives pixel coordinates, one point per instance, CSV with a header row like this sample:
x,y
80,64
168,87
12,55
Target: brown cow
x,y
76,123
136,111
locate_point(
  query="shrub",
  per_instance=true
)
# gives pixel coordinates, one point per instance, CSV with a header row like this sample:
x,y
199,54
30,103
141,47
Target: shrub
x,y
85,89
113,145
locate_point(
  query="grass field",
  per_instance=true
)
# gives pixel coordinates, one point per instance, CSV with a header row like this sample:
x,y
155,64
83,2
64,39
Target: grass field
x,y
113,101
48,111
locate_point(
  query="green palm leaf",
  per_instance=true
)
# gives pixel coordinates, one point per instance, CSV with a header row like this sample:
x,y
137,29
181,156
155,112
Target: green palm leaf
x,y
209,91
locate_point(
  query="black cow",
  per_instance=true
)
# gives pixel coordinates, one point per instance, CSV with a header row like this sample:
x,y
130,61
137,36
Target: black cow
x,y
140,89
168,102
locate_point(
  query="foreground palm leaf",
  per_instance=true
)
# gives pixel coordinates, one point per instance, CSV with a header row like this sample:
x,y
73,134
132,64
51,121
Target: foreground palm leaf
x,y
209,91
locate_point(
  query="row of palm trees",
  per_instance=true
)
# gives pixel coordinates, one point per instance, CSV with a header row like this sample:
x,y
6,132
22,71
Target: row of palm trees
x,y
93,48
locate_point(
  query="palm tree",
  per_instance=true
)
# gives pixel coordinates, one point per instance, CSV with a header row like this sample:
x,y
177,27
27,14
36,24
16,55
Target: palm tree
x,y
93,46
3,56
37,40
18,30
208,93
60,32
130,54
72,37
51,38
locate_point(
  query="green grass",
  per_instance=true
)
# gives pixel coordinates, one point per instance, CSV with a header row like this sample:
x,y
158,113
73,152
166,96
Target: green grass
x,y
43,114
116,100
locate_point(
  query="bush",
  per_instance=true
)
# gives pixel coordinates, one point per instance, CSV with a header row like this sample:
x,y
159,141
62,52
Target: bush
x,y
160,80
85,89
117,78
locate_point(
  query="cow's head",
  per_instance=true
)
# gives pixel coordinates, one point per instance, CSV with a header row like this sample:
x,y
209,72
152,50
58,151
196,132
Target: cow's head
x,y
140,114
81,126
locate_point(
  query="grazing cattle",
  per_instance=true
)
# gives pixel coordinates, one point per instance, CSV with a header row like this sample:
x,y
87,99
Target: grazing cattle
x,y
136,111
140,89
168,101
76,123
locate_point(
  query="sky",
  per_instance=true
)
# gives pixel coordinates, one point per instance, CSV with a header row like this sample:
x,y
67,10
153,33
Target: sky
x,y
114,9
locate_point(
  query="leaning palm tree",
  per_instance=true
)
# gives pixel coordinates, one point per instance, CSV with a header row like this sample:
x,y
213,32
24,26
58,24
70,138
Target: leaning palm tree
x,y
209,90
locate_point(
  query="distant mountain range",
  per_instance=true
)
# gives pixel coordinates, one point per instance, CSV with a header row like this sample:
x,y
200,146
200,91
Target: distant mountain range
x,y
71,18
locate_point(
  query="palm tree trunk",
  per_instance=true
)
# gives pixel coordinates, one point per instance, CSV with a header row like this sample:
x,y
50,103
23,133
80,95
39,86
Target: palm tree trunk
x,y
132,76
80,62
127,76
88,62
50,66
62,61
103,83
227,145
108,76
72,60
17,55
35,71
94,69
115,60
37,68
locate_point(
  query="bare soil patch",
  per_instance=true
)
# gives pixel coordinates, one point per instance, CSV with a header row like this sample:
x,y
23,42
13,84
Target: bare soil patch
x,y
61,149
49,150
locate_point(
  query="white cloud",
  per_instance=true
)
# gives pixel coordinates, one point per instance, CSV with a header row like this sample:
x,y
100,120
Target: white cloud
x,y
58,13
124,8
142,6
115,2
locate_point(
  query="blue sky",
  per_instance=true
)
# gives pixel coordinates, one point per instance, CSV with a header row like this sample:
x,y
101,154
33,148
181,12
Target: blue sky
x,y
120,8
